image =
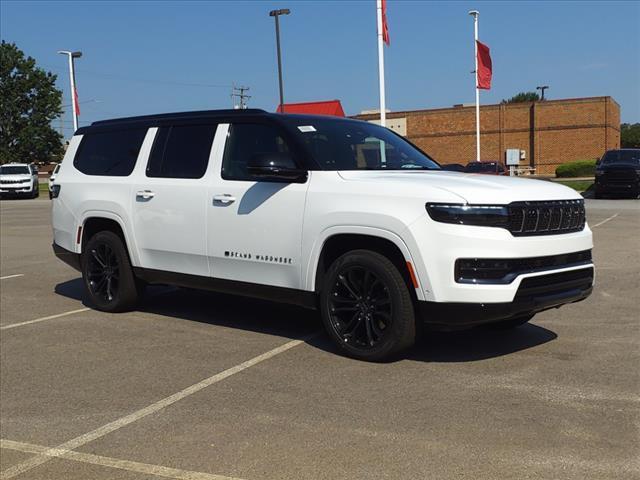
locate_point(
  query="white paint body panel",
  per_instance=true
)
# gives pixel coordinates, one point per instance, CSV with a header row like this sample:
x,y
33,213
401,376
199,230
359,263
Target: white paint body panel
x,y
273,233
256,236
170,227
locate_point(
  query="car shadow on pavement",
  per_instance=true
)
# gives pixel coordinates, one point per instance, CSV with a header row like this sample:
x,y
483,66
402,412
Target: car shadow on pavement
x,y
297,323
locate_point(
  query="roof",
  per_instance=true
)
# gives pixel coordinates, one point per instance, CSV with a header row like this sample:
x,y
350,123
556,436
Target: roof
x,y
215,116
328,107
182,115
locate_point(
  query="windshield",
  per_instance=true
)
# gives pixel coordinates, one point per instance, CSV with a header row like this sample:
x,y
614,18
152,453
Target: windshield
x,y
348,145
622,156
481,167
14,170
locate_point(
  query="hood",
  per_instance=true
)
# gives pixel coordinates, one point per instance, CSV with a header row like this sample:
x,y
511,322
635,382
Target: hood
x,y
474,188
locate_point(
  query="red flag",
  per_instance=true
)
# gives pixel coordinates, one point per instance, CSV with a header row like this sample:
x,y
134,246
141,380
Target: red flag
x,y
484,66
385,27
75,100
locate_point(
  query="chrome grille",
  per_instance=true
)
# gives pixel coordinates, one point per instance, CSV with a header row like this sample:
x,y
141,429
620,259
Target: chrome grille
x,y
546,218
8,182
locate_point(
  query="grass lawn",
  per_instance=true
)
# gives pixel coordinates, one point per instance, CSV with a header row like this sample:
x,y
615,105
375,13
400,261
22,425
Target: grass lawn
x,y
44,187
579,185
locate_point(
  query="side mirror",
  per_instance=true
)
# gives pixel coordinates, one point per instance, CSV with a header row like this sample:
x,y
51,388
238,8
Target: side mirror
x,y
276,167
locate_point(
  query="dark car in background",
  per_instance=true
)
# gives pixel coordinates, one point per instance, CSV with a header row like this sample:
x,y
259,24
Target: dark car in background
x,y
618,173
453,167
486,167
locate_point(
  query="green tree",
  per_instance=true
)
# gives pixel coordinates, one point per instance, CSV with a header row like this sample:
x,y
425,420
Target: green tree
x,y
29,101
630,135
523,97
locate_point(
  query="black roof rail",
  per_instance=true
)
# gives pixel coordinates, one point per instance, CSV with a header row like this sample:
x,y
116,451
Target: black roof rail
x,y
181,115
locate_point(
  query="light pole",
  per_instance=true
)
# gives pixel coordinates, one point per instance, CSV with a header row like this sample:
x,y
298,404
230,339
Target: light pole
x,y
276,14
542,89
72,80
474,14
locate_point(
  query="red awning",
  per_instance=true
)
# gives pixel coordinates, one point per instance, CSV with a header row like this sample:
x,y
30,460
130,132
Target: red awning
x,y
330,107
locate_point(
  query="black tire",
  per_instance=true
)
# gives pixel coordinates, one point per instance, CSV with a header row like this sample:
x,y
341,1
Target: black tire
x,y
36,192
50,195
107,274
366,306
511,323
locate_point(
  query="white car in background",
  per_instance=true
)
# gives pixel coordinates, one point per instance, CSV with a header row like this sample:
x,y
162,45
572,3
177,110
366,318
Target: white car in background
x,y
18,179
52,179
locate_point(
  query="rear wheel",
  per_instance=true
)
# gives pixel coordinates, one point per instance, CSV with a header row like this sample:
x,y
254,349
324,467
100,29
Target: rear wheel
x,y
366,306
108,277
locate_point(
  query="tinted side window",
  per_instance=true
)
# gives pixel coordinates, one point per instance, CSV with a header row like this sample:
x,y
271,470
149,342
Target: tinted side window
x,y
181,151
109,153
245,141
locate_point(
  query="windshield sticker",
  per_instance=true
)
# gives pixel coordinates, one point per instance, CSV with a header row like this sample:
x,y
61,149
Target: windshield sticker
x,y
306,128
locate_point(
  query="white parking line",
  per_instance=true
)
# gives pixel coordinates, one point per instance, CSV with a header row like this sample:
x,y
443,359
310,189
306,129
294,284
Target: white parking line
x,y
605,220
130,466
12,276
143,412
37,320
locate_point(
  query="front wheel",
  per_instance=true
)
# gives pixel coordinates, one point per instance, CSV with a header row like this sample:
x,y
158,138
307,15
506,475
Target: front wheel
x,y
366,306
108,277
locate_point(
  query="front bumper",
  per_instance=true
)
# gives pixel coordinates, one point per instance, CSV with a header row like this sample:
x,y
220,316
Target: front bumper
x,y
437,246
607,186
535,295
16,190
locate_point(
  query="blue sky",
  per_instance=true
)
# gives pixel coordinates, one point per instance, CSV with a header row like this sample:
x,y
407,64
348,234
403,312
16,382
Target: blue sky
x,y
148,57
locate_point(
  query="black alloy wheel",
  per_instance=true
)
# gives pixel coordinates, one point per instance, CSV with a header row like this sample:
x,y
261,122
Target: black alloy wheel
x,y
360,307
108,277
366,306
103,272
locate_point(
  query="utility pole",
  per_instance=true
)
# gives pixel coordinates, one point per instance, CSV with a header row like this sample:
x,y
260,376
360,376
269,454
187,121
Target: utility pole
x,y
239,92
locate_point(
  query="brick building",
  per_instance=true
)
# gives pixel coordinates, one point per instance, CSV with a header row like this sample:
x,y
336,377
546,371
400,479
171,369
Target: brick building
x,y
550,133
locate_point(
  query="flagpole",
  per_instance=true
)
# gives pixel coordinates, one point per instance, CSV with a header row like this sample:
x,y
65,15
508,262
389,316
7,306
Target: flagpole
x,y
383,107
475,14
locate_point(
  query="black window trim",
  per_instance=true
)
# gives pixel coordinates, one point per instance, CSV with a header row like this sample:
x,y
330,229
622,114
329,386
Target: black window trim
x,y
170,126
82,144
298,153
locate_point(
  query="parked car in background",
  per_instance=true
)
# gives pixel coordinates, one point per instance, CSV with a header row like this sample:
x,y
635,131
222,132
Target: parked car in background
x,y
618,172
486,167
18,179
453,167
52,178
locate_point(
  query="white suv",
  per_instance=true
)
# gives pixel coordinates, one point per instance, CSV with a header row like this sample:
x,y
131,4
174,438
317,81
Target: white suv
x,y
335,214
19,179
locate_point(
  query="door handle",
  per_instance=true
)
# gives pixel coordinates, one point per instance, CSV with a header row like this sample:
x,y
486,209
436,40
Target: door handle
x,y
224,198
145,194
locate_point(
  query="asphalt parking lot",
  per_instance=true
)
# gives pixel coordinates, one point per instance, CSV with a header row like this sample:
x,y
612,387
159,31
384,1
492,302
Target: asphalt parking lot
x,y
196,385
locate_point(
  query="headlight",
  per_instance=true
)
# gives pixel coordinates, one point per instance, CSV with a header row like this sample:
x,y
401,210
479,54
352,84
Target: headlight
x,y
479,215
